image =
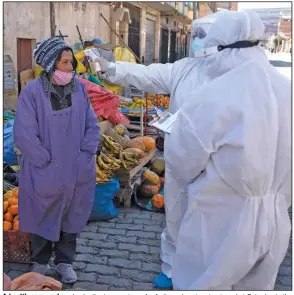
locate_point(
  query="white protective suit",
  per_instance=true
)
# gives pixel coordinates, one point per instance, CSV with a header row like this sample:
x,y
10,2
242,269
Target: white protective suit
x,y
236,228
177,80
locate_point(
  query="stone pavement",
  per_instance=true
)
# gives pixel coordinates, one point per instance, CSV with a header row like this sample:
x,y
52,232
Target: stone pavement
x,y
123,254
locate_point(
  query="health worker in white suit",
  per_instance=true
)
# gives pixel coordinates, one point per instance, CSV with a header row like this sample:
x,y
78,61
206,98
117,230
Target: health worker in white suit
x,y
229,153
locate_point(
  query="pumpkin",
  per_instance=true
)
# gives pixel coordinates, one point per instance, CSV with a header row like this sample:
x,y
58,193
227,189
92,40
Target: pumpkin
x,y
5,206
8,217
138,144
148,142
151,176
137,152
7,225
148,190
158,201
13,209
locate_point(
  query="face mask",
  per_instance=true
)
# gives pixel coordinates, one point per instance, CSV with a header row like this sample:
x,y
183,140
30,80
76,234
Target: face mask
x,y
197,44
62,78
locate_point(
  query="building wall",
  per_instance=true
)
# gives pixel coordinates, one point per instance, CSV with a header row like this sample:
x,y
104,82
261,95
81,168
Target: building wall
x,y
32,20
29,20
285,28
87,16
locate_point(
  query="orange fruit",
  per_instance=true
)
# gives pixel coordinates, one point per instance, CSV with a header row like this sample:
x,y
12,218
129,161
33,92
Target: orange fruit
x,y
8,217
5,206
9,201
13,209
7,225
14,202
15,218
16,225
8,195
15,193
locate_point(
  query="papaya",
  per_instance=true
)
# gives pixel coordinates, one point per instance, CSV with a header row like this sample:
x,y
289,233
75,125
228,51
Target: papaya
x,y
137,152
151,176
158,166
148,142
134,143
148,190
158,201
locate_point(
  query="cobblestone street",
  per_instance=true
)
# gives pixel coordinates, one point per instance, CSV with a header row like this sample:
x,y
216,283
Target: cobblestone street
x,y
123,254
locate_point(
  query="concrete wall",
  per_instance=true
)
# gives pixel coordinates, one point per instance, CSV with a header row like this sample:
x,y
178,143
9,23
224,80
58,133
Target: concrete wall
x,y
87,16
32,20
29,20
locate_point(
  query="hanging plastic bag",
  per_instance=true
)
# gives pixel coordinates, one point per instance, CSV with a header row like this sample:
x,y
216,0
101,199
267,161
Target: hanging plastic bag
x,y
104,102
9,156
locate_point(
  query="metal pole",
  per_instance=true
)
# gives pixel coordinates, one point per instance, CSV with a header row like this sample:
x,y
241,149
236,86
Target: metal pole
x,y
195,10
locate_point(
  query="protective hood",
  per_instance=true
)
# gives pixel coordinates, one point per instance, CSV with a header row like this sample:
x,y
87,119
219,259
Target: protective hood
x,y
230,28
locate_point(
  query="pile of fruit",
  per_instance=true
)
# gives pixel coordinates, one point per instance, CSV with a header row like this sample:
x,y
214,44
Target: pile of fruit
x,y
159,100
153,181
117,151
137,103
10,210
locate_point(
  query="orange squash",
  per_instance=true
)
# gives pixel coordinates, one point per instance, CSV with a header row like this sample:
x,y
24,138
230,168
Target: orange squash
x,y
151,177
13,209
158,201
8,217
5,206
7,225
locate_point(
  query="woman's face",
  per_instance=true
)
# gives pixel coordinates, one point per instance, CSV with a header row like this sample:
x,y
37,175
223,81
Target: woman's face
x,y
65,62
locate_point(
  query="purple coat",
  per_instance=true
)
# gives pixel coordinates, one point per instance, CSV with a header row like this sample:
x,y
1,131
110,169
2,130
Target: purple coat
x,y
57,176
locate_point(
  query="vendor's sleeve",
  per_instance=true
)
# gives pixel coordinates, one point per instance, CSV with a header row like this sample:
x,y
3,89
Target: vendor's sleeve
x,y
155,78
92,131
26,131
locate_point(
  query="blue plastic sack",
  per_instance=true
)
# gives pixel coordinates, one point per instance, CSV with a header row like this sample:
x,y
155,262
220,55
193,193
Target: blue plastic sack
x,y
103,207
8,153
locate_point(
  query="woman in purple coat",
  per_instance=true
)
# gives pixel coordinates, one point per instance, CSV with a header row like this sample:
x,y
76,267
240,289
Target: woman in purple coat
x,y
58,135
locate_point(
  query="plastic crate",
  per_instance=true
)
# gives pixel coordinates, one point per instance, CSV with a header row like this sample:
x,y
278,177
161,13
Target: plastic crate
x,y
17,247
103,207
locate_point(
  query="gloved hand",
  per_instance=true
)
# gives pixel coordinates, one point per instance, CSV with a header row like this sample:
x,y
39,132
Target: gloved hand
x,y
107,68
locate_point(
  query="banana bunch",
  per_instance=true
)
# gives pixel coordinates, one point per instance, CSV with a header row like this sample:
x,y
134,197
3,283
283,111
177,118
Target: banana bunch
x,y
111,145
112,157
102,175
129,160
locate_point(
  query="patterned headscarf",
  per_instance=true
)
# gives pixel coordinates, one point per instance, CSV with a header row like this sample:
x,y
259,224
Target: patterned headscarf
x,y
48,51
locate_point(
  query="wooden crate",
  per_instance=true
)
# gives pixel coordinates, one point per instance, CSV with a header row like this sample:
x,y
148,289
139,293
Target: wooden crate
x,y
127,181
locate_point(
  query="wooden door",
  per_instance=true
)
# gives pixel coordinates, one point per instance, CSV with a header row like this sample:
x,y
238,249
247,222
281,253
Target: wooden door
x,y
24,56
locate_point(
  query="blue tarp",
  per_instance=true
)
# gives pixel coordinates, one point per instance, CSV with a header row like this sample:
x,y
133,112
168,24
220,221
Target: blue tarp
x,y
8,153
